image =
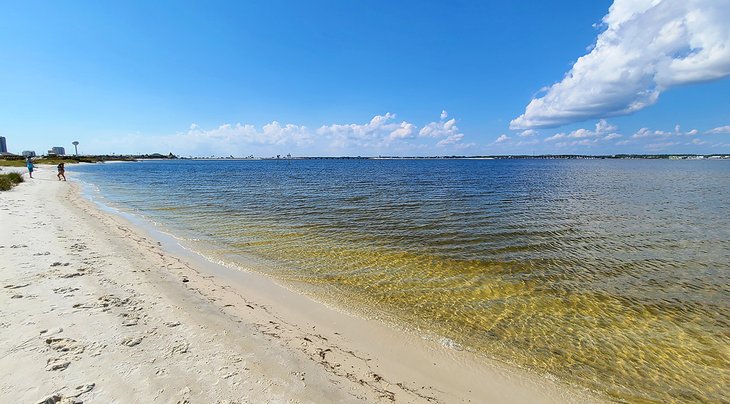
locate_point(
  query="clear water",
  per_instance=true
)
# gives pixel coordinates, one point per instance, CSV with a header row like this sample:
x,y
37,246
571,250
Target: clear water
x,y
608,274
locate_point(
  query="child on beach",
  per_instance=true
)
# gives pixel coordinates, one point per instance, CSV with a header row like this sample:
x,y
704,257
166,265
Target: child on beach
x,y
29,164
61,172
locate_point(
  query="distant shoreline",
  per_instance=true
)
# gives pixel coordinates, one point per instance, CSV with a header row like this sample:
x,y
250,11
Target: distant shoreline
x,y
20,160
489,157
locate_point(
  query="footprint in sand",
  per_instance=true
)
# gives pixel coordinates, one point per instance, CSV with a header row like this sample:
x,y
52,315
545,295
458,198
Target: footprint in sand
x,y
83,306
71,275
52,331
112,301
130,321
17,286
78,247
132,341
66,291
79,272
59,264
67,397
56,364
178,347
66,345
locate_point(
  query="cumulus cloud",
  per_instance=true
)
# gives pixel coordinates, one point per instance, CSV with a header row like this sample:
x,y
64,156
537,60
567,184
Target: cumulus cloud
x,y
382,134
602,131
273,133
405,130
528,133
719,130
644,133
381,131
451,140
445,129
442,128
647,47
502,139
378,133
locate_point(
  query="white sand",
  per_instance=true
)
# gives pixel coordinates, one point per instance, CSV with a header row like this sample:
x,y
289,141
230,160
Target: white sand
x,y
96,309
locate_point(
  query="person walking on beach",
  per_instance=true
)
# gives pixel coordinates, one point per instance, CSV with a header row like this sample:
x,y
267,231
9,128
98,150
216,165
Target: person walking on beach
x,y
61,172
29,164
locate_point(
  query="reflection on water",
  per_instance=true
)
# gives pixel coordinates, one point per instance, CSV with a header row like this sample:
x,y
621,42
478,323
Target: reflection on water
x,y
610,274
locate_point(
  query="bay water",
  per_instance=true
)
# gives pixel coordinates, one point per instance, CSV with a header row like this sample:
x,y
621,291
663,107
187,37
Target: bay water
x,y
612,275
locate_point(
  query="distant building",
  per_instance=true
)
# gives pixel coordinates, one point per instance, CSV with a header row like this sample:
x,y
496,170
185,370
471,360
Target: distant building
x,y
3,145
57,151
28,153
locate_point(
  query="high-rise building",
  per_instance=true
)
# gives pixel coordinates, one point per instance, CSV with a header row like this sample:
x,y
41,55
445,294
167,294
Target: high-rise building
x,y
58,151
3,145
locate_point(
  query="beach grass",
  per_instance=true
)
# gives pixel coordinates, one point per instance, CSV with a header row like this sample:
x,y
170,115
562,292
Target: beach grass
x,y
54,161
16,178
7,181
12,163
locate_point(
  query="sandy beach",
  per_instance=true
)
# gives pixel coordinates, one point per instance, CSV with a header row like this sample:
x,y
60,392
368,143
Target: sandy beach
x,y
98,309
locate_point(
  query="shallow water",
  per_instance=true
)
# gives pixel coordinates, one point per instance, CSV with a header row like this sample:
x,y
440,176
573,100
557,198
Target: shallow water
x,y
608,274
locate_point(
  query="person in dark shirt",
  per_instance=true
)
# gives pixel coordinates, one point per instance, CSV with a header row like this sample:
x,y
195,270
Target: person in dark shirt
x,y
61,172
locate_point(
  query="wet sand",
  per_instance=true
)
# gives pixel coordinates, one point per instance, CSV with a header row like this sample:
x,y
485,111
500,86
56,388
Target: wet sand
x,y
96,308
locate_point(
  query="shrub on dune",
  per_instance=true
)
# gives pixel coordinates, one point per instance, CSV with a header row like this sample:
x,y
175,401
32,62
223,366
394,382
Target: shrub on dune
x,y
15,178
5,183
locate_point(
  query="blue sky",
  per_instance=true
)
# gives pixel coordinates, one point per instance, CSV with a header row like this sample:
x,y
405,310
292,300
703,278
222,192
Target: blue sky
x,y
366,78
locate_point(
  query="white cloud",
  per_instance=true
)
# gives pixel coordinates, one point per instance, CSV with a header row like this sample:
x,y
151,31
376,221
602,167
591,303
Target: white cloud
x,y
603,131
405,130
275,133
719,130
227,139
442,128
446,129
528,133
502,138
271,134
380,135
604,127
648,46
644,133
583,142
377,133
451,140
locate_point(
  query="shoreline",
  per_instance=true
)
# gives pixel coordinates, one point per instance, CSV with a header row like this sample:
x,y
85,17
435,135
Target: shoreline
x,y
142,319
